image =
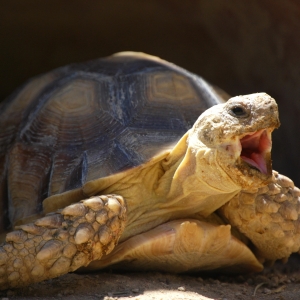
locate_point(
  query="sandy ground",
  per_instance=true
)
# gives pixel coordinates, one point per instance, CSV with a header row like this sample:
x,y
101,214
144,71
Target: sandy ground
x,y
282,282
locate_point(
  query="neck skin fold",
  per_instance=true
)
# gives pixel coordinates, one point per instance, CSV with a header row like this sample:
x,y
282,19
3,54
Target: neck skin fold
x,y
198,183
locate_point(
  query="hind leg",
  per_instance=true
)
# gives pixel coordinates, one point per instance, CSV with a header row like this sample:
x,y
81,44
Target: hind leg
x,y
182,246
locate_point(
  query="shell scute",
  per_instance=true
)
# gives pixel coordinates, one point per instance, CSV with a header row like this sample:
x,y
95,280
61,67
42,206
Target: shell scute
x,y
91,120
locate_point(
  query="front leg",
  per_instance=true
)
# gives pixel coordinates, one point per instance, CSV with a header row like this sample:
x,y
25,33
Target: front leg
x,y
61,242
269,218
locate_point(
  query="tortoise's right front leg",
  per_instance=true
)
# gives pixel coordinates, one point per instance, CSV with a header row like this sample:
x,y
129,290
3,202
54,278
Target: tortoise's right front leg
x,y
270,218
62,242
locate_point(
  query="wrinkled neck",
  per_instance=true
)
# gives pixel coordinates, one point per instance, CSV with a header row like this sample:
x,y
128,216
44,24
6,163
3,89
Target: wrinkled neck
x,y
198,180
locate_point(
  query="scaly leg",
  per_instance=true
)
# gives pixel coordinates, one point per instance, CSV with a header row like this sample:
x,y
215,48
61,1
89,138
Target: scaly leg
x,y
269,218
62,242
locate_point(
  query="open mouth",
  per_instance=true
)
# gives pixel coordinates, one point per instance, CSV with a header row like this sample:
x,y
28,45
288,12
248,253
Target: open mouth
x,y
255,148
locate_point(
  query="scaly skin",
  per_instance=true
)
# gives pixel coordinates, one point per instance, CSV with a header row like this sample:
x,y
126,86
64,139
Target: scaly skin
x,y
269,218
62,242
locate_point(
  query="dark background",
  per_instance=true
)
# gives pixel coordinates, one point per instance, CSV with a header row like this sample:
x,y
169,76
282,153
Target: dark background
x,y
240,45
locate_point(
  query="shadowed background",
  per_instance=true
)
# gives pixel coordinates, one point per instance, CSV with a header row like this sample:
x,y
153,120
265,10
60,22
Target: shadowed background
x,y
241,46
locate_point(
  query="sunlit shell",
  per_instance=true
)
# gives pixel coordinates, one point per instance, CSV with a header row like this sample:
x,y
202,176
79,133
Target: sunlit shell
x,y
91,120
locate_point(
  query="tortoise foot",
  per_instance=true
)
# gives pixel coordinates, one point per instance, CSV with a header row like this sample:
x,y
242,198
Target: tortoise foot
x,y
61,242
269,218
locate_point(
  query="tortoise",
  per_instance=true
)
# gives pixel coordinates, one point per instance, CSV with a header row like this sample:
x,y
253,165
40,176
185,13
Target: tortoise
x,y
132,162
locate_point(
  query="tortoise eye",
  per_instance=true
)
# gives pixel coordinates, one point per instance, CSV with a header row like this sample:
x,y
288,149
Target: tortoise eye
x,y
239,111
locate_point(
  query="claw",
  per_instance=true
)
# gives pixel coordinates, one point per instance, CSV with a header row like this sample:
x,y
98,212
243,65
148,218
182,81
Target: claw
x,y
95,203
75,210
32,229
50,221
114,206
17,237
62,242
271,221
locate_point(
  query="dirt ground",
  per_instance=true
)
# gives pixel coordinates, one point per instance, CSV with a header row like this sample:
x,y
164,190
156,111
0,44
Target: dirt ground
x,y
282,281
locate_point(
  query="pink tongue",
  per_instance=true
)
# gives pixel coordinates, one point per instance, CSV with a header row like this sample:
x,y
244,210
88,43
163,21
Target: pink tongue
x,y
254,148
257,161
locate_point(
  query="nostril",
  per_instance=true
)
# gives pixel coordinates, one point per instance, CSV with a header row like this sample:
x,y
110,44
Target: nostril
x,y
272,107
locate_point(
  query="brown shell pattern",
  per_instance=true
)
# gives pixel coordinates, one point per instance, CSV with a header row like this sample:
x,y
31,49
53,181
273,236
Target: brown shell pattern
x,y
90,120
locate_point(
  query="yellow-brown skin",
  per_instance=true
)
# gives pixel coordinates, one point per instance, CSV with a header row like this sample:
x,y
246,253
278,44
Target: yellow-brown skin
x,y
199,174
172,203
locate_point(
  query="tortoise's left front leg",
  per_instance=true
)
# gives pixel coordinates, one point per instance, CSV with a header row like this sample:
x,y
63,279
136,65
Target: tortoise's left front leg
x,y
62,242
269,218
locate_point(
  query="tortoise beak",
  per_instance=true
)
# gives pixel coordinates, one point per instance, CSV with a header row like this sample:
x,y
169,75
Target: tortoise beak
x,y
256,150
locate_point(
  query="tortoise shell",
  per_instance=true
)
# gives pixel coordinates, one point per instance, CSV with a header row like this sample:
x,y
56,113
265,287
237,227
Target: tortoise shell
x,y
90,120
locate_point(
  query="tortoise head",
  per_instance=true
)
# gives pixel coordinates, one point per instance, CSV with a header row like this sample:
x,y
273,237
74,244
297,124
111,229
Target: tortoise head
x,y
236,137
